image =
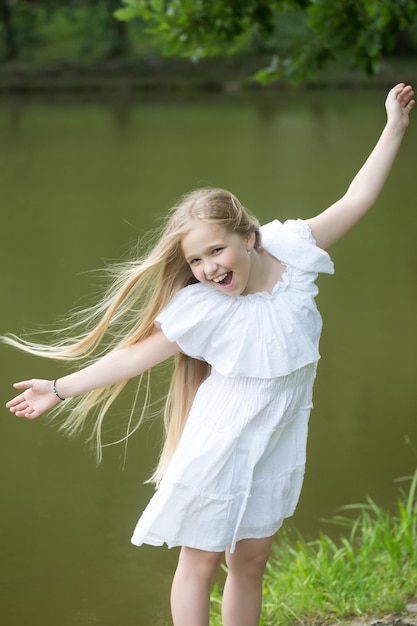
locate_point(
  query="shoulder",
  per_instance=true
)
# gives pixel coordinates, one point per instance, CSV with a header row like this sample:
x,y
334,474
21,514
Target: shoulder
x,y
292,242
289,229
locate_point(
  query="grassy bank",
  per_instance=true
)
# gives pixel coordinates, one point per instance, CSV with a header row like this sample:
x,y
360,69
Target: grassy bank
x,y
371,570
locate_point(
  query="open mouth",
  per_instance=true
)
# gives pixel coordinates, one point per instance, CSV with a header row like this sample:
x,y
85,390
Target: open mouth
x,y
224,279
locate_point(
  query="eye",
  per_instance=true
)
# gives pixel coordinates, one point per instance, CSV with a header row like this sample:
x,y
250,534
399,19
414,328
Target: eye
x,y
217,250
193,261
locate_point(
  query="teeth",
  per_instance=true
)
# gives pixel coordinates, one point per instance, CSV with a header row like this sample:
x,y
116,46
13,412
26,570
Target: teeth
x,y
218,279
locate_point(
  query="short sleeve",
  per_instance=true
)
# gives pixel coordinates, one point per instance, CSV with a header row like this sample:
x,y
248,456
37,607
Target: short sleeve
x,y
194,317
293,244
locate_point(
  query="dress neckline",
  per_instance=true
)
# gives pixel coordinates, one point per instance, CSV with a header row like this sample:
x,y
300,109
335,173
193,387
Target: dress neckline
x,y
280,285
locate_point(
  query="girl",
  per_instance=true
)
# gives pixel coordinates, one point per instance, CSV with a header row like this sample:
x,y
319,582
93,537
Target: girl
x,y
234,304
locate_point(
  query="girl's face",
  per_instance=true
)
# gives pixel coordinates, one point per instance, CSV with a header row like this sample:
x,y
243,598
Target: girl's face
x,y
219,258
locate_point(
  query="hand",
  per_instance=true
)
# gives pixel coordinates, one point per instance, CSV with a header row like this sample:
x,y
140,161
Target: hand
x,y
37,398
398,105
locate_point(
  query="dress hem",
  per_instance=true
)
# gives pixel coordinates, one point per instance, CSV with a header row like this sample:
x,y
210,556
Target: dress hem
x,y
153,540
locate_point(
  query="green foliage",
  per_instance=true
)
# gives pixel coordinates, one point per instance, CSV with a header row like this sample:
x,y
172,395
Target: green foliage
x,y
359,32
78,29
299,36
371,570
365,31
199,28
17,28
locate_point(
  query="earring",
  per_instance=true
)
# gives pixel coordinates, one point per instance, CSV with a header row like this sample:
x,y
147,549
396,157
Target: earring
x,y
249,251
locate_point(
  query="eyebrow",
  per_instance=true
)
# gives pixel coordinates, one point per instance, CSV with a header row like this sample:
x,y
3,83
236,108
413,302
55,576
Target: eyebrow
x,y
212,246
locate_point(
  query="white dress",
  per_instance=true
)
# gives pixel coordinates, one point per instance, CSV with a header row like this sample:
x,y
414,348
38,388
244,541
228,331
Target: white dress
x,y
239,466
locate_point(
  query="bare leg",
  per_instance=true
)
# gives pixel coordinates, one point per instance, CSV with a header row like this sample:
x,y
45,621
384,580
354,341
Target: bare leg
x,y
242,596
191,587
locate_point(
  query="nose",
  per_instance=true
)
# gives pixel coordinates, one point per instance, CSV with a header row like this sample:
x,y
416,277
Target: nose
x,y
210,268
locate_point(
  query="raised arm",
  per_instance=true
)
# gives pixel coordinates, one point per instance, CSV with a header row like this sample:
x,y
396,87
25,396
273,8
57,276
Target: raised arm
x,y
340,217
118,365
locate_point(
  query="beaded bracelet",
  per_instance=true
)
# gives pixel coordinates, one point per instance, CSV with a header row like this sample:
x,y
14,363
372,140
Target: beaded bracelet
x,y
55,391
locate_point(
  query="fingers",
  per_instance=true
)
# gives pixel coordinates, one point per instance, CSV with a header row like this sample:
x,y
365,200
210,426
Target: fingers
x,y
28,413
21,407
406,98
23,384
410,105
404,94
15,402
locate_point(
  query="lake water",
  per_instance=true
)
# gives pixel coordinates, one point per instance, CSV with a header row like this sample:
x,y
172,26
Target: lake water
x,y
80,181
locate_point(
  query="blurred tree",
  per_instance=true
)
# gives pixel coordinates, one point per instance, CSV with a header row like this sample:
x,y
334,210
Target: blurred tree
x,y
118,34
107,30
6,19
23,24
359,32
16,27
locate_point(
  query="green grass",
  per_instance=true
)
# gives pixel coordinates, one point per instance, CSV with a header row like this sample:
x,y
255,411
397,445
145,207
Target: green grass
x,y
371,569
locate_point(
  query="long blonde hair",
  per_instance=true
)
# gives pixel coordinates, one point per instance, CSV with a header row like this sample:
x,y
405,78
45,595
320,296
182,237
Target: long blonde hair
x,y
140,289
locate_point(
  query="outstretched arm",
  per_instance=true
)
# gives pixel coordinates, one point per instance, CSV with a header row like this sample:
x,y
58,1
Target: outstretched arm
x,y
340,217
118,365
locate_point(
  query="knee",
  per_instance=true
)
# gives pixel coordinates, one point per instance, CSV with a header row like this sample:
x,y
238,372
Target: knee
x,y
199,564
252,567
248,560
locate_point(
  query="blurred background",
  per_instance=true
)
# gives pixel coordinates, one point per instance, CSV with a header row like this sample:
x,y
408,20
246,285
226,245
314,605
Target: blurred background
x,y
104,123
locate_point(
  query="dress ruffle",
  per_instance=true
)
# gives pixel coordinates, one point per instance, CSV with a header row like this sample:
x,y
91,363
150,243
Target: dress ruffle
x,y
293,244
238,470
272,334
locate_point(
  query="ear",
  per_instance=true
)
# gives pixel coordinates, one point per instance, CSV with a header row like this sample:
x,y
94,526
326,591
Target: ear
x,y
250,239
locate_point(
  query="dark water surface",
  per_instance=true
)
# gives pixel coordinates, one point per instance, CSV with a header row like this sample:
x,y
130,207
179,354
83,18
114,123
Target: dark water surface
x,y
80,181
